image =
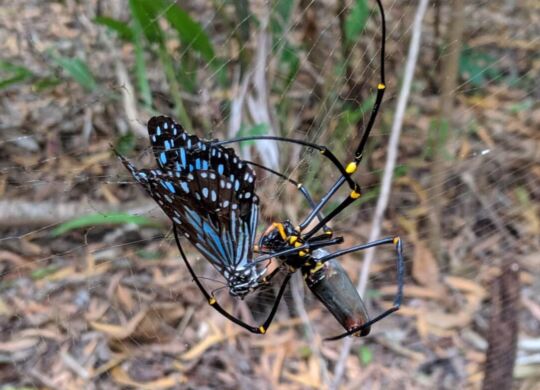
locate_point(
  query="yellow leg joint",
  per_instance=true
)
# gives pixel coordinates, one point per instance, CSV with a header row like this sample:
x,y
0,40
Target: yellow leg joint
x,y
381,86
297,244
302,253
279,227
351,167
396,240
317,267
212,301
355,194
293,239
262,329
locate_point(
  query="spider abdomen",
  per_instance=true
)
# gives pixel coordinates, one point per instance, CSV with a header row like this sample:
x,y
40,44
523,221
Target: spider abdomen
x,y
331,284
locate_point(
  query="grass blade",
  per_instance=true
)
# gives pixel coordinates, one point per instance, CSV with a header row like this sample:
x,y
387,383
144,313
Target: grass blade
x,y
15,74
102,219
121,28
78,70
356,21
190,32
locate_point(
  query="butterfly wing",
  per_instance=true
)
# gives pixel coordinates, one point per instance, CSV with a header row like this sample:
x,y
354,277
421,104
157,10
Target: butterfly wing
x,y
206,190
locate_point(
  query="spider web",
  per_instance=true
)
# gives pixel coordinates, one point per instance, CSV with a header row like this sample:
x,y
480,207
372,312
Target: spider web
x,y
56,165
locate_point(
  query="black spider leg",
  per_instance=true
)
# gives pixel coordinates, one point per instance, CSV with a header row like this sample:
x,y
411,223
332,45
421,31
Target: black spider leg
x,y
298,185
322,149
358,154
316,209
400,270
213,302
292,251
352,166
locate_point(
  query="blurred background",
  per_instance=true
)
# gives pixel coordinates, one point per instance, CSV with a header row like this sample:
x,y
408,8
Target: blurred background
x,y
93,293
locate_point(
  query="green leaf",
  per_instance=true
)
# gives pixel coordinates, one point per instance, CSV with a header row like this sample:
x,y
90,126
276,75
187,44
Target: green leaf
x,y
400,171
78,70
258,129
121,28
11,74
125,143
190,32
365,355
147,13
305,352
149,255
524,105
282,11
477,67
522,196
291,60
45,83
243,18
40,273
141,75
102,219
356,21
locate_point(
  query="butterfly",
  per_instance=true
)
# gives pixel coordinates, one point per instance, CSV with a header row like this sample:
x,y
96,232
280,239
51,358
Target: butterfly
x,y
209,194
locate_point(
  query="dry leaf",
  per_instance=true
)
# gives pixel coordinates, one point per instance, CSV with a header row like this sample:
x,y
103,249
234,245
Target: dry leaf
x,y
125,298
119,331
425,269
303,377
531,261
466,286
173,380
412,291
206,343
18,345
534,308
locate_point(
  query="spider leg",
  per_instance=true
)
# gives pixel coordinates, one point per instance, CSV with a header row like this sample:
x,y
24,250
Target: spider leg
x,y
358,155
396,241
213,302
322,149
298,249
298,185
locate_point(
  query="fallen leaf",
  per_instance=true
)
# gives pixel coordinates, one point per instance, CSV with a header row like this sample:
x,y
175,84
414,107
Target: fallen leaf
x,y
425,269
170,381
125,298
18,345
119,331
534,308
466,286
207,342
412,291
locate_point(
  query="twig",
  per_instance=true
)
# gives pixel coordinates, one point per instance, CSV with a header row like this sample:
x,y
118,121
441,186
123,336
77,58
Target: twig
x,y
128,92
258,103
393,144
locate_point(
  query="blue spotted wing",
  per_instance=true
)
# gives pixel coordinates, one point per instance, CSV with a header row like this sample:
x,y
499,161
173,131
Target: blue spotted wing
x,y
206,190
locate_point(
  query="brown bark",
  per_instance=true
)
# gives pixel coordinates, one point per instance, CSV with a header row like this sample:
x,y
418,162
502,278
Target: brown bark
x,y
503,330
